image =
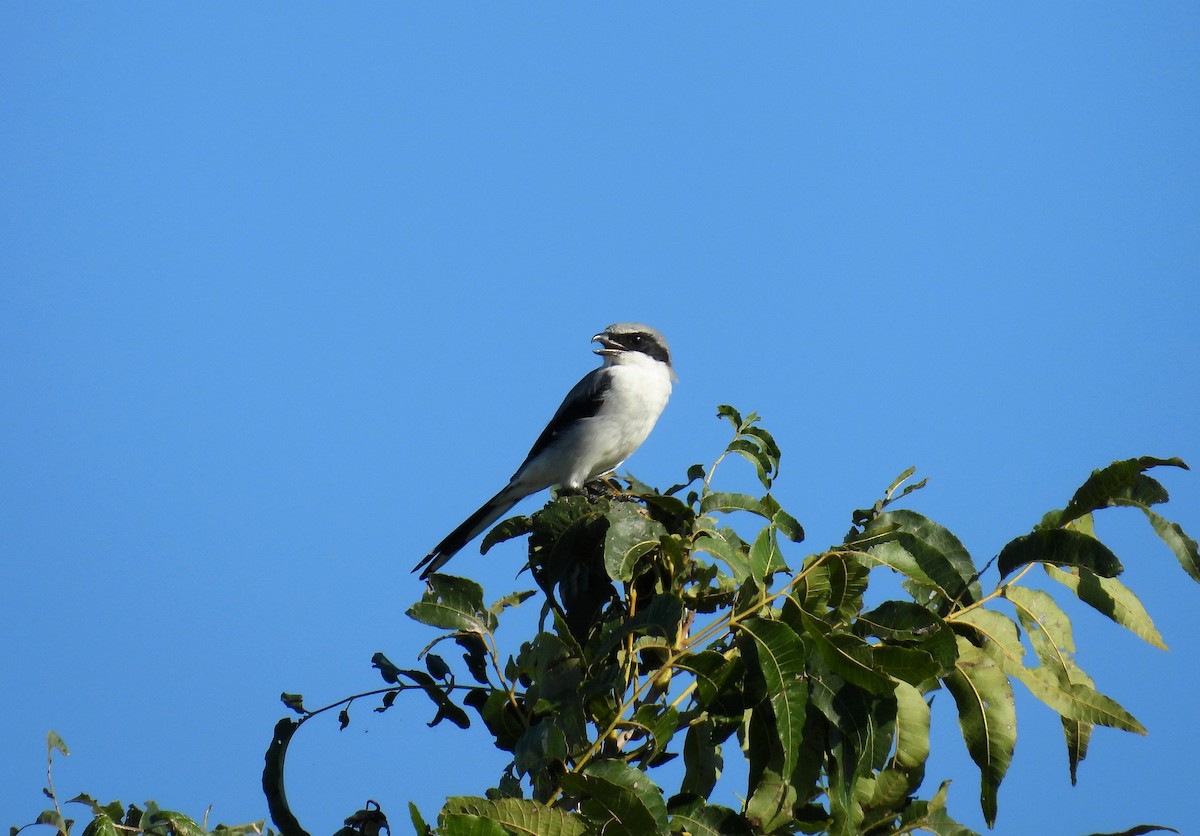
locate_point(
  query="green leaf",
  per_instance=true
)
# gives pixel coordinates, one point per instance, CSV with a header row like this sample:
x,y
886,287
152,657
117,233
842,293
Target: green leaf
x,y
418,822
631,534
765,559
508,529
658,722
924,551
912,727
1061,547
620,800
998,628
660,618
1055,681
847,655
179,824
460,824
1110,597
781,656
272,779
731,415
931,815
909,625
53,741
293,701
453,603
389,671
55,820
540,747
702,760
724,503
102,826
512,599
1184,547
700,819
713,672
753,452
519,815
1139,830
1122,482
725,545
988,718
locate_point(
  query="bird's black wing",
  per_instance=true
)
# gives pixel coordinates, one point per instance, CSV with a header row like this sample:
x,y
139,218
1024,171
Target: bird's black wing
x,y
583,401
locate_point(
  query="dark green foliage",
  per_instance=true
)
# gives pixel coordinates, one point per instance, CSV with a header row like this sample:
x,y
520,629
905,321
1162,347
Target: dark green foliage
x,y
678,624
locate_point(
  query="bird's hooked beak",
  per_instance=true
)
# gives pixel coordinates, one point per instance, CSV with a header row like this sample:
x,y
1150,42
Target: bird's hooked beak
x,y
609,346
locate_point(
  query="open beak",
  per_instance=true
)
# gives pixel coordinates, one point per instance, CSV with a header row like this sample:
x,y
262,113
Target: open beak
x,y
608,345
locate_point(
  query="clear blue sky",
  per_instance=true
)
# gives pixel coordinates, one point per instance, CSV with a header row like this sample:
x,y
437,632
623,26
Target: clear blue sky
x,y
285,293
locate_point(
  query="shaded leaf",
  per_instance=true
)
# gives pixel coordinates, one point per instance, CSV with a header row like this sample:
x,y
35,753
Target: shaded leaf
x,y
293,701
781,657
620,799
926,552
931,815
702,760
700,819
1185,548
1122,482
272,779
631,534
1061,547
508,529
848,656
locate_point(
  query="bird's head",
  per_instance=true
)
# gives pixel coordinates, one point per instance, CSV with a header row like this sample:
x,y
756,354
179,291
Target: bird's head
x,y
625,341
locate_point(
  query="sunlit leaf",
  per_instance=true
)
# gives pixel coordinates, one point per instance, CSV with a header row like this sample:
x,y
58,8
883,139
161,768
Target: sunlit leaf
x,y
1111,597
725,545
453,603
912,727
462,824
520,815
987,715
54,742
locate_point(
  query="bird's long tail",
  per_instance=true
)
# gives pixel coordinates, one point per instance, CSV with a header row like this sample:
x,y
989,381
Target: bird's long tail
x,y
491,511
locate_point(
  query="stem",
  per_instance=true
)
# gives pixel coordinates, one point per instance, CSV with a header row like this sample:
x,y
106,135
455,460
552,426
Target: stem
x,y
998,592
509,690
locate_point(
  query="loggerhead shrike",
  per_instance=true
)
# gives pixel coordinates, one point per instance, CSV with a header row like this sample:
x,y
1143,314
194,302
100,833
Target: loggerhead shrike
x,y
603,419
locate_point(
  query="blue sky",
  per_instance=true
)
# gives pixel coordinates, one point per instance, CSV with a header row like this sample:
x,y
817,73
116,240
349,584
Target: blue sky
x,y
284,296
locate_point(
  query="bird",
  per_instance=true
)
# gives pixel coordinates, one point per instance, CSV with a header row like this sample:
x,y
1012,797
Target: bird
x,y
603,419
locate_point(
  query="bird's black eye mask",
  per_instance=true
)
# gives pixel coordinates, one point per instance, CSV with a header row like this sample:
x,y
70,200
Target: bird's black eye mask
x,y
644,343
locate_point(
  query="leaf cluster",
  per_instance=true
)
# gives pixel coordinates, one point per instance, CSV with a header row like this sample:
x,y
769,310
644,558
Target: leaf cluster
x,y
678,624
